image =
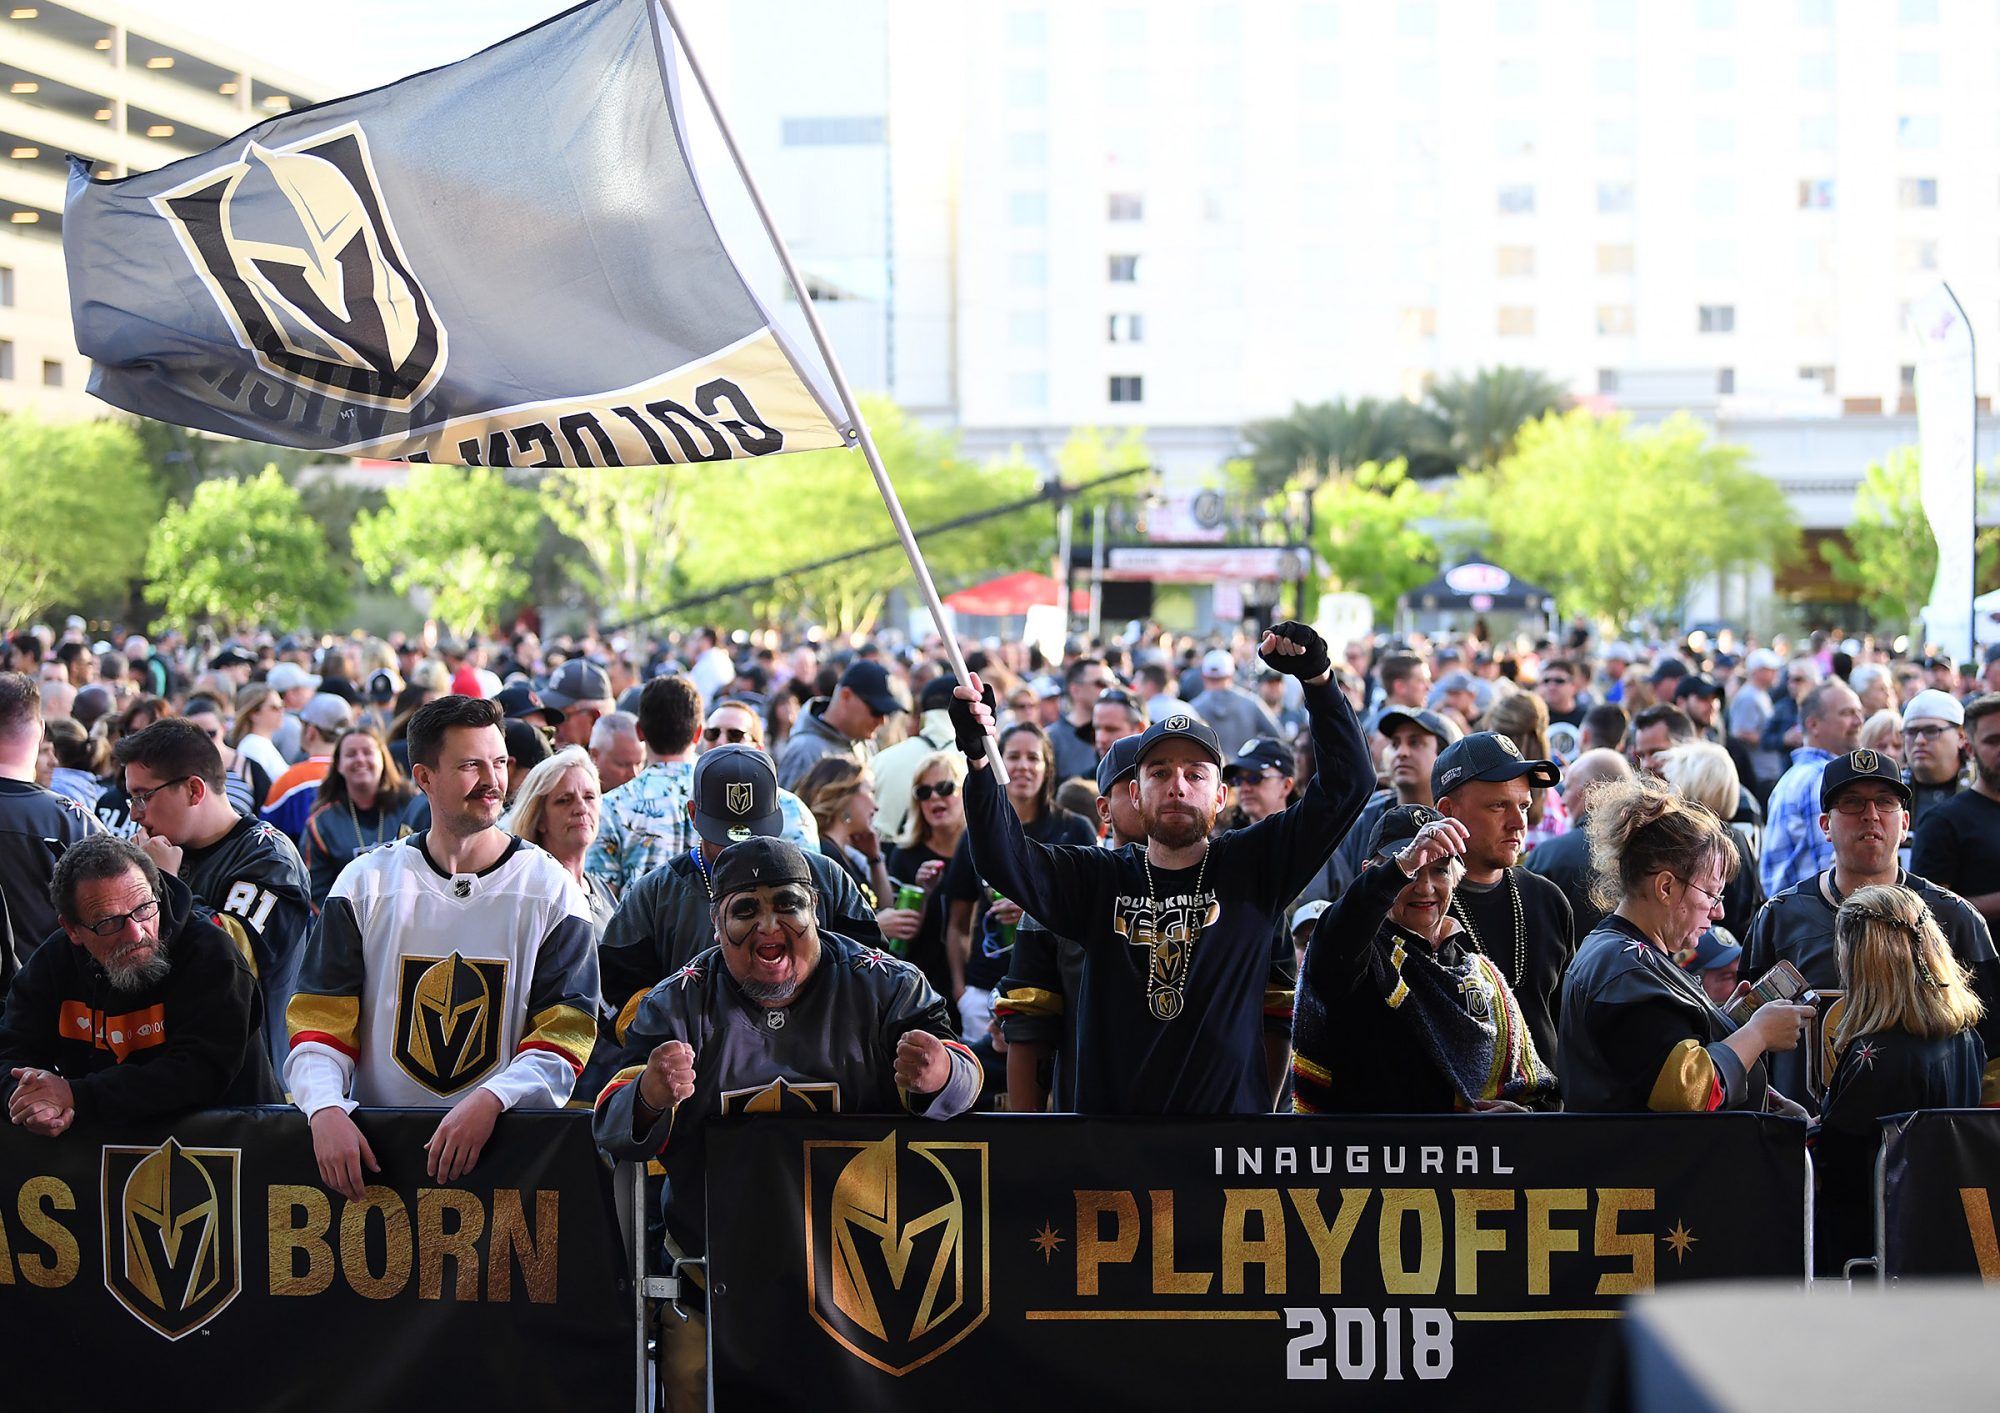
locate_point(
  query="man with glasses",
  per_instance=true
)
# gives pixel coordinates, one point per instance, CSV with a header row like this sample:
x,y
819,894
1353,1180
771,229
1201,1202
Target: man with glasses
x,y
1864,815
1959,844
149,1010
1075,736
1934,753
843,724
244,869
1557,685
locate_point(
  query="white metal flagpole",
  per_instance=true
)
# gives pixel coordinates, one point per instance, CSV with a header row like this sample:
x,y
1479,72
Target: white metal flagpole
x,y
846,394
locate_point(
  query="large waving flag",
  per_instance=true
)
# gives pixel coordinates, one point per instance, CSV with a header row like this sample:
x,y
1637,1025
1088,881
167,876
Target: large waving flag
x,y
506,261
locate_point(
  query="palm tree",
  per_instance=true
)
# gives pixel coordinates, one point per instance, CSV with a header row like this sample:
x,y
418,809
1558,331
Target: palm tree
x,y
1326,439
1482,413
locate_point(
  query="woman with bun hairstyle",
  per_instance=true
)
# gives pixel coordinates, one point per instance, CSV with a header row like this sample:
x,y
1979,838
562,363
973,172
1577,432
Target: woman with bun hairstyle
x,y
1903,1039
1638,1032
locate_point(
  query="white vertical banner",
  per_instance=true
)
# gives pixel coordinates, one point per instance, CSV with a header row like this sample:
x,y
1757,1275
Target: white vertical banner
x,y
1947,413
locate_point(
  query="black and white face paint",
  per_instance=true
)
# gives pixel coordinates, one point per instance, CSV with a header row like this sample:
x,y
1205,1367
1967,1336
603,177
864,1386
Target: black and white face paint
x,y
770,940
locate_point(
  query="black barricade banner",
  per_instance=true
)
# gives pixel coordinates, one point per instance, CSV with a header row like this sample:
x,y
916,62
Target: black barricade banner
x,y
1941,1189
998,1263
202,1263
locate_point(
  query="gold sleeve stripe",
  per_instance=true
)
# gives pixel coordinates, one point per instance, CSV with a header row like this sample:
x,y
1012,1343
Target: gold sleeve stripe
x,y
563,1029
1277,1001
1311,1069
331,1020
624,1021
1989,1085
1687,1083
624,1076
1028,1001
241,938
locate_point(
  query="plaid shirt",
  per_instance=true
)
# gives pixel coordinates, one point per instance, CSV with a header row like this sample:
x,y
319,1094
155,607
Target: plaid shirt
x,y
644,823
1795,848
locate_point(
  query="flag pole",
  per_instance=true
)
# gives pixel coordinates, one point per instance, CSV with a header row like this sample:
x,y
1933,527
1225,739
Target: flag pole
x,y
846,394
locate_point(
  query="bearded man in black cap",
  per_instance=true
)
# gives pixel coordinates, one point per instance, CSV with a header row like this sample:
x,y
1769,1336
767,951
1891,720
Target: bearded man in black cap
x,y
1520,920
1178,932
777,1016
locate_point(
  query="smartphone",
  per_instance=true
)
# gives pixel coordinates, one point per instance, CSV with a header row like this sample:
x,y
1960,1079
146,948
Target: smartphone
x,y
1781,983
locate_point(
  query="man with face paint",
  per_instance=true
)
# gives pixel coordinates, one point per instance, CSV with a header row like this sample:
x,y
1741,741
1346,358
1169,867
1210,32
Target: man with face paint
x,y
777,1017
1178,932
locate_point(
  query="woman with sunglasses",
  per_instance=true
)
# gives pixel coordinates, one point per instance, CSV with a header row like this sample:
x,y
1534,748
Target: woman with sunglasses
x,y
935,824
734,723
246,783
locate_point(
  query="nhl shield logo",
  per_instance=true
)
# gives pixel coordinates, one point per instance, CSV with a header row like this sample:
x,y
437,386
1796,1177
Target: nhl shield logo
x,y
738,797
896,1246
448,1019
296,247
173,1250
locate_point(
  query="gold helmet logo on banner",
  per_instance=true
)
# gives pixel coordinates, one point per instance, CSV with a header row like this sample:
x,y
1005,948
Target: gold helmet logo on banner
x,y
897,1246
172,1235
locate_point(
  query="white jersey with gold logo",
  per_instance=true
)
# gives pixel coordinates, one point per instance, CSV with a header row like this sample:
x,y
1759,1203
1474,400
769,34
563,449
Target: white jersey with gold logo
x,y
418,985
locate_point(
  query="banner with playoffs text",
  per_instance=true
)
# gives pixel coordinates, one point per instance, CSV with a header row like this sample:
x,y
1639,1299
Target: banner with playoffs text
x,y
203,1263
1941,1171
1239,1262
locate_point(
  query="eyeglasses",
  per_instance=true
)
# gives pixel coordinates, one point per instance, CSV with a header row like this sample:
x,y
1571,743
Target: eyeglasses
x,y
1860,804
142,798
1714,899
732,734
1554,681
944,790
1925,733
112,926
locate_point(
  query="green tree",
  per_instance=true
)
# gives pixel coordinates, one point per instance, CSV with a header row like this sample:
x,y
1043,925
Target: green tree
x,y
1482,414
1891,554
1365,531
80,500
242,553
1314,442
779,512
1620,524
626,522
460,534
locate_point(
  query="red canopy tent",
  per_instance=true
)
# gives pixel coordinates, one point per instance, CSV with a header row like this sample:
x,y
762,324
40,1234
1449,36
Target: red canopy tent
x,y
1012,595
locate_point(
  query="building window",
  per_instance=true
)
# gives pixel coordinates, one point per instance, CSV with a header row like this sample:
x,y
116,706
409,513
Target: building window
x,y
1906,380
1127,387
1816,194
1716,319
1917,131
1916,192
1725,382
1028,269
1517,200
1126,328
834,132
1607,380
1126,206
1614,320
1516,321
1821,373
1613,198
1420,322
1028,329
1124,269
6,360
1614,259
1917,70
1028,208
52,373
1512,261
6,287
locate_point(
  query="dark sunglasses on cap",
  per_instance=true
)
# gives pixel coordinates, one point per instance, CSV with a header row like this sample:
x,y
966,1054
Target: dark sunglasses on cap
x,y
732,734
944,790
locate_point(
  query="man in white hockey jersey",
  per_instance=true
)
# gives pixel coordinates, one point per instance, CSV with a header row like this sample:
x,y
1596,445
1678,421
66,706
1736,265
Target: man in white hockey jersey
x,y
456,967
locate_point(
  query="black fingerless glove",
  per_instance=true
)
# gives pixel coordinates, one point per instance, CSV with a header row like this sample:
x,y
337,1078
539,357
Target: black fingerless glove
x,y
971,737
1306,665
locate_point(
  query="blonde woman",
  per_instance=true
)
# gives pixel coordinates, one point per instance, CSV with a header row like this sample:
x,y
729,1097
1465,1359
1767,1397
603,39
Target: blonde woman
x,y
1702,773
557,807
841,795
1905,1040
1882,733
936,822
260,711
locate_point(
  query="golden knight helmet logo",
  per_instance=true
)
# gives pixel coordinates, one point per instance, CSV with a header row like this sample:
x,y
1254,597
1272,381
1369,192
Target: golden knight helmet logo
x,y
172,1238
448,1019
295,245
739,797
896,1246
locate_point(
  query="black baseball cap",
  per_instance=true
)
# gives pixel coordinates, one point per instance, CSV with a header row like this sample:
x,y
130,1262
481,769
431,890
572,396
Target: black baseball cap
x,y
1696,685
1843,771
735,796
1180,727
869,681
1259,753
382,685
233,656
1668,669
517,701
1430,721
937,693
759,863
527,747
1487,755
578,680
1121,762
1398,825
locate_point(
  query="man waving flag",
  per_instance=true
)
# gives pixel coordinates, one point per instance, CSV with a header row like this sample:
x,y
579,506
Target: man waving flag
x,y
503,262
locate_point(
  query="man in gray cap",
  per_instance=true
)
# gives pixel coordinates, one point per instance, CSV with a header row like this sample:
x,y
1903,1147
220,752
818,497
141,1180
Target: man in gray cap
x,y
662,920
1235,714
777,1015
581,692
842,724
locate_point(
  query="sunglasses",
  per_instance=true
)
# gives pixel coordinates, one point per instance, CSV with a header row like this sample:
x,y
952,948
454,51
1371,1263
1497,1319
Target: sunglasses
x,y
944,790
732,734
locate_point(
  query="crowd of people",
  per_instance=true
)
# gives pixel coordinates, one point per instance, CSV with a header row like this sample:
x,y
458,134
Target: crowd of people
x,y
713,873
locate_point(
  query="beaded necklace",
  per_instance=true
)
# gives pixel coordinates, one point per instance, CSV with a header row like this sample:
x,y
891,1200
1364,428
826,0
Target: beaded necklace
x,y
1464,916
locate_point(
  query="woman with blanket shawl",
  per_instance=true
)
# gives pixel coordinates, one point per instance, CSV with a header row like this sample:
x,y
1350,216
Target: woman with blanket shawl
x,y
1396,1013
